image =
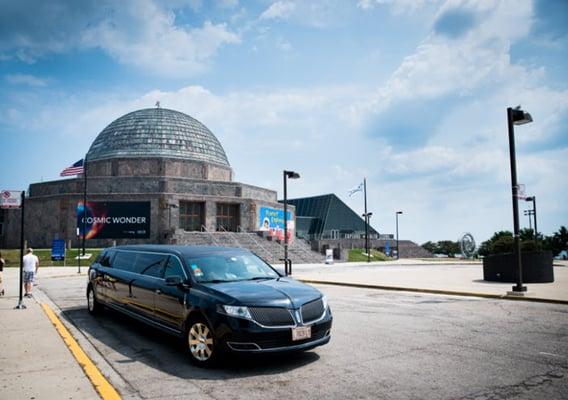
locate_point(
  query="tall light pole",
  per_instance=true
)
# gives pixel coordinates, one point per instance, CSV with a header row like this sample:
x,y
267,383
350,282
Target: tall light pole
x,y
529,213
533,213
286,175
397,253
367,217
516,116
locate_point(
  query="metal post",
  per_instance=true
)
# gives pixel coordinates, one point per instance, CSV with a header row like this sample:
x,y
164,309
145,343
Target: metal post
x,y
21,304
285,223
535,228
397,255
84,203
529,214
79,249
515,187
366,222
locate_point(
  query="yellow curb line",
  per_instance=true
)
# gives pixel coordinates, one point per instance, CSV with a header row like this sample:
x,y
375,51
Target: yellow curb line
x,y
437,291
105,389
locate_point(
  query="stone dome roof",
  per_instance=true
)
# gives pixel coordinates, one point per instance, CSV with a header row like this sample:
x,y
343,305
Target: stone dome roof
x,y
157,132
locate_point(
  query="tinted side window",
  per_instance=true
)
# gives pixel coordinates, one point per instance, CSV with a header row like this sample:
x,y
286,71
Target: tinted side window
x,y
125,260
105,258
151,264
174,267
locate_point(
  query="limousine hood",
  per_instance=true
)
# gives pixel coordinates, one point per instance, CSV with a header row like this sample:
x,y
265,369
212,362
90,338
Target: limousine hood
x,y
282,292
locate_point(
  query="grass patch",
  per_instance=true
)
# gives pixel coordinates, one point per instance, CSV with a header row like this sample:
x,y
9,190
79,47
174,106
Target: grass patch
x,y
357,255
12,257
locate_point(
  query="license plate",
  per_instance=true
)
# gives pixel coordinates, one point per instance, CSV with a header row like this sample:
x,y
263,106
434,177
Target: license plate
x,y
301,333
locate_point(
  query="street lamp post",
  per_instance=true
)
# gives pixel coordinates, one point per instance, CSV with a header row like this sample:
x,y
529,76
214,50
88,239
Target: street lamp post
x,y
397,253
286,175
367,217
533,213
516,116
529,213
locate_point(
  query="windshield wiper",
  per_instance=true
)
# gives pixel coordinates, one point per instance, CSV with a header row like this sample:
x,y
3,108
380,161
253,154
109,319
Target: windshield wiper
x,y
217,281
257,278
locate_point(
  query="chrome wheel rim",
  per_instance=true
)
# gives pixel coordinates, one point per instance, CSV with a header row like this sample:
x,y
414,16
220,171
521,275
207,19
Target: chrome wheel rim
x,y
90,300
200,342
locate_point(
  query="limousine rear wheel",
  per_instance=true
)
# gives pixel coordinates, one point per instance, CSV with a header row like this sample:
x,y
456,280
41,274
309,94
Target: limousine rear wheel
x,y
201,343
93,305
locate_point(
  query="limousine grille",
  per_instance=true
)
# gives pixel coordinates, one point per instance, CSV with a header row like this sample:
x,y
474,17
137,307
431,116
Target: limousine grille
x,y
312,311
271,316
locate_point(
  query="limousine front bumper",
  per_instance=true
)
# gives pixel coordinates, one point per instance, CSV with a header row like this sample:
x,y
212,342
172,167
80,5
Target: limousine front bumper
x,y
244,336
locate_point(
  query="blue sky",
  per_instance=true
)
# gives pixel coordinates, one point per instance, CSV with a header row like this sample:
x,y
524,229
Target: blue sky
x,y
411,94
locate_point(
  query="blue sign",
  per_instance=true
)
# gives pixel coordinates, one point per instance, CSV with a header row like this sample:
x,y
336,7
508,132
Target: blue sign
x,y
387,248
271,220
58,250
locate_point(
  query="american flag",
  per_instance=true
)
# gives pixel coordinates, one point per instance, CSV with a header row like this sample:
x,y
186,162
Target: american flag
x,y
74,169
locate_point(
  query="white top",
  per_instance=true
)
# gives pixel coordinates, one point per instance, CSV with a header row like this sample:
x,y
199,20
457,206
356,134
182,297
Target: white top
x,y
30,262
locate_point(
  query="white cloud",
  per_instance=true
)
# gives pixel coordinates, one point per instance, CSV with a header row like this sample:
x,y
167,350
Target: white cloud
x,y
397,6
142,33
278,10
25,79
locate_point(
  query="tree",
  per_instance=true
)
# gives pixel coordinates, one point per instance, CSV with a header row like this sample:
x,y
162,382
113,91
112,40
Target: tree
x,y
448,248
559,241
431,247
487,248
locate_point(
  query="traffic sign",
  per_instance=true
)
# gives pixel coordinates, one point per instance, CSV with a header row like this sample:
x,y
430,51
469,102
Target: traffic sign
x,y
10,199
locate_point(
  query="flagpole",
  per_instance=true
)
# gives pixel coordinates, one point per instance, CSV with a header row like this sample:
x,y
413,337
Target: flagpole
x,y
84,202
366,222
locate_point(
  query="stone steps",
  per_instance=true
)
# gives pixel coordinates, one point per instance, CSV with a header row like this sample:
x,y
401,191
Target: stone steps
x,y
299,251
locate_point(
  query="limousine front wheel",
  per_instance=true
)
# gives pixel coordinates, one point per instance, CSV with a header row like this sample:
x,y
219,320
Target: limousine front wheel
x,y
201,343
93,305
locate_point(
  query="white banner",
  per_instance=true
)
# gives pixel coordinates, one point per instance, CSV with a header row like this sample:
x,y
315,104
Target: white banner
x,y
10,199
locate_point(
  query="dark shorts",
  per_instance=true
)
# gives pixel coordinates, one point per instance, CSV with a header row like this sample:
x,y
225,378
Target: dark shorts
x,y
29,276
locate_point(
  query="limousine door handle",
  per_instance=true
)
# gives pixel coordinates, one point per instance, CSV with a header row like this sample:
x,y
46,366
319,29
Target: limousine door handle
x,y
158,291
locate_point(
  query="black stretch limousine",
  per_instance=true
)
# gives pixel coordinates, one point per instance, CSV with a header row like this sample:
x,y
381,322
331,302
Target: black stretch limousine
x,y
217,298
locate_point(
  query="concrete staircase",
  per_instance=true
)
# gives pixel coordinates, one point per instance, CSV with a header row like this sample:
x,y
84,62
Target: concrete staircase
x,y
299,251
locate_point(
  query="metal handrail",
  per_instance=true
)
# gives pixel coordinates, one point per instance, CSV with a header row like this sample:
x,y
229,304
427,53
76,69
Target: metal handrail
x,y
232,236
204,229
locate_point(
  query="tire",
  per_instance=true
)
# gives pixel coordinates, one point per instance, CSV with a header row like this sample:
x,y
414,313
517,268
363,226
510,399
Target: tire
x,y
93,305
201,343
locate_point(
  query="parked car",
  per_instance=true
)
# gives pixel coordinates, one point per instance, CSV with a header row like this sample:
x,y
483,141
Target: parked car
x,y
219,299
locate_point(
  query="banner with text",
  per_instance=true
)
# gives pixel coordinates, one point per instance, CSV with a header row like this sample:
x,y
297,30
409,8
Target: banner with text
x,y
271,220
114,219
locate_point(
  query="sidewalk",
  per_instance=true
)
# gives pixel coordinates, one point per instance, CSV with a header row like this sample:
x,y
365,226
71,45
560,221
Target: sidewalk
x,y
461,278
35,363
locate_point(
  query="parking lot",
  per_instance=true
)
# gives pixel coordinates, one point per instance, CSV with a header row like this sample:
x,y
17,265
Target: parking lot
x,y
386,345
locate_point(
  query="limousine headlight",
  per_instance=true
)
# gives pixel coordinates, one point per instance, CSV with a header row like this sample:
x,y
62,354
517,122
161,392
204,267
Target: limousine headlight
x,y
237,311
324,301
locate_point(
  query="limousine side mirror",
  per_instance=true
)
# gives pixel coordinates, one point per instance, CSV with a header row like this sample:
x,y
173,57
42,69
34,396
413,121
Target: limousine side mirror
x,y
174,280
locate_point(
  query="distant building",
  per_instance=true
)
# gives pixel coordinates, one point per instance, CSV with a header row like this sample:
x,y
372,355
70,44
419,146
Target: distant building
x,y
327,217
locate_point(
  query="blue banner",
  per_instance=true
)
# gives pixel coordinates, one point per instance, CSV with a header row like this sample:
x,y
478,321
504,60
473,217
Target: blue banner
x,y
271,220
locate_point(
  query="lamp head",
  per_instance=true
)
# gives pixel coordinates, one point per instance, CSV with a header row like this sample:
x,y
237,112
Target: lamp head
x,y
531,198
292,174
399,212
520,117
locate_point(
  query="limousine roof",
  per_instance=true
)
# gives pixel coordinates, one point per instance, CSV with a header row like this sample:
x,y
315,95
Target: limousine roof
x,y
181,250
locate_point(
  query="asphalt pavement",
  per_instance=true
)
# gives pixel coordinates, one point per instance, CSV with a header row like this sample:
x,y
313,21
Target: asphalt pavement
x,y
37,363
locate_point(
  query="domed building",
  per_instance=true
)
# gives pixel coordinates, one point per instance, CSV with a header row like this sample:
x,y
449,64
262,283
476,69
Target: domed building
x,y
156,174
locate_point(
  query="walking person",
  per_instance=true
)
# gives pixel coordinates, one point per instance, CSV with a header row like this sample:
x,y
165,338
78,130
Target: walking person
x,y
31,265
2,263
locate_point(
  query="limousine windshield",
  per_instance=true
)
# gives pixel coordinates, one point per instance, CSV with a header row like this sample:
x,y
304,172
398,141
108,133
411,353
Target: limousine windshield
x,y
216,268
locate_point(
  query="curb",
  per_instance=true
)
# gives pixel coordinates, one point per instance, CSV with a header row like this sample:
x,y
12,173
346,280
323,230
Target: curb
x,y
100,383
438,291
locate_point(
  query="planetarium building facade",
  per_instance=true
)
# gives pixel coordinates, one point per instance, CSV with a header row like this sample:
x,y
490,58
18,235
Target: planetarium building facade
x,y
157,173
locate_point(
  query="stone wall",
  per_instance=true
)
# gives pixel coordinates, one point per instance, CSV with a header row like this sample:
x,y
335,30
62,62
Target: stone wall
x,y
51,207
158,167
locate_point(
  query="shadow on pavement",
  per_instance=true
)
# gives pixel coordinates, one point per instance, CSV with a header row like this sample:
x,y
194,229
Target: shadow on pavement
x,y
137,342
